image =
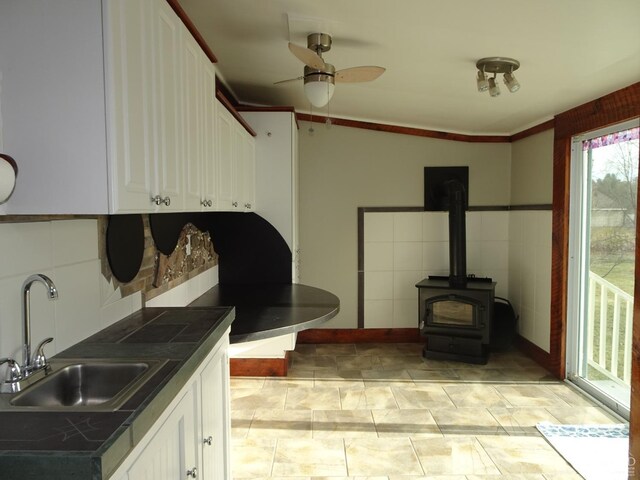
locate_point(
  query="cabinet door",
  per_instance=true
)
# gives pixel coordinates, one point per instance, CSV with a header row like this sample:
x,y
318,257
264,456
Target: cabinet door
x,y
209,187
216,425
224,127
168,106
130,82
249,173
192,100
237,155
172,451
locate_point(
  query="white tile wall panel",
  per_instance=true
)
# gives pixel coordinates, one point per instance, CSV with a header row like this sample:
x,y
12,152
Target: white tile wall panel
x,y
407,227
404,284
378,313
74,241
435,227
378,256
407,255
378,285
378,227
405,313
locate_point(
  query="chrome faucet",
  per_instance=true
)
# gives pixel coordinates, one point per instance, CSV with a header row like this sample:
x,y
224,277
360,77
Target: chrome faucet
x,y
30,364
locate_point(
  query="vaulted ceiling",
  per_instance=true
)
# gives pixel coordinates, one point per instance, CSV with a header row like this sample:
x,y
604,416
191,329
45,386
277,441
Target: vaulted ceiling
x,y
571,52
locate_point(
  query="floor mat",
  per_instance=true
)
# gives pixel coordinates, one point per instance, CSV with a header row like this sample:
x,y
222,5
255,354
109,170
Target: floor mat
x,y
597,452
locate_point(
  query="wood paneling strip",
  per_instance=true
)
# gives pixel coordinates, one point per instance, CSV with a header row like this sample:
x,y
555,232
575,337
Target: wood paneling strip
x,y
417,132
229,106
259,367
548,125
616,107
175,5
360,335
535,352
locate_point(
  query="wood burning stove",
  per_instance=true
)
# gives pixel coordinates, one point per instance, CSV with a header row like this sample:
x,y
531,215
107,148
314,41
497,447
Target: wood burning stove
x,y
455,312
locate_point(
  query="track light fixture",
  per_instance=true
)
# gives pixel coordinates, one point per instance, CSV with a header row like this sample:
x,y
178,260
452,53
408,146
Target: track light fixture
x,y
496,65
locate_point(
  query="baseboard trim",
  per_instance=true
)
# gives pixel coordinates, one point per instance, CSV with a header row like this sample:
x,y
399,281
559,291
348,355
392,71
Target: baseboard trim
x,y
360,335
535,352
259,367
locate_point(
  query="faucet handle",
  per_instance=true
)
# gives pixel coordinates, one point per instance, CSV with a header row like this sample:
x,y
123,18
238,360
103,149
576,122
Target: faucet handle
x,y
40,359
14,372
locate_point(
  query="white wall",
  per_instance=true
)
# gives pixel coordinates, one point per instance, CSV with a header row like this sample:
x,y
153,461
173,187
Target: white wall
x,y
344,168
67,252
402,248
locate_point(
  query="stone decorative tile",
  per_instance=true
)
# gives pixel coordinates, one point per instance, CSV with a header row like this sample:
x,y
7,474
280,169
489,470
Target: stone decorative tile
x,y
367,398
357,362
475,396
471,421
454,456
530,396
281,424
301,373
241,422
426,376
336,349
291,382
341,378
525,476
310,457
563,476
253,398
410,348
305,349
503,375
247,382
570,395
402,362
300,398
377,349
381,456
518,455
343,424
405,423
522,420
581,415
430,396
386,378
252,458
428,477
313,362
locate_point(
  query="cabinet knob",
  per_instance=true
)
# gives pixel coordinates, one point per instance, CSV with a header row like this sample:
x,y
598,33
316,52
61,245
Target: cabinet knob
x,y
206,203
193,473
235,204
158,200
208,440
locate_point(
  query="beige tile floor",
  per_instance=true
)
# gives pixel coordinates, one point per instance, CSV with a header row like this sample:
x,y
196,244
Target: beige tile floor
x,y
379,411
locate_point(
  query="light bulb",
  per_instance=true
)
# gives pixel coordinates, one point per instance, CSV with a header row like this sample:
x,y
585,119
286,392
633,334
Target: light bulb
x,y
482,82
494,90
510,81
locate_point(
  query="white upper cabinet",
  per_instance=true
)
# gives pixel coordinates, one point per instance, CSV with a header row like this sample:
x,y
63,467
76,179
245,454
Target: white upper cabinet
x,y
236,163
111,126
276,177
209,186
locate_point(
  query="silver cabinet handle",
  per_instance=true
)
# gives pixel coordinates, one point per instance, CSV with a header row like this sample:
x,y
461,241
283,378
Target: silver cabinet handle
x,y
193,473
206,203
158,200
235,204
208,440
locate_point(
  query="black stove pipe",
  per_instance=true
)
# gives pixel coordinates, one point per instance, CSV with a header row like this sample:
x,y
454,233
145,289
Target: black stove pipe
x,y
457,235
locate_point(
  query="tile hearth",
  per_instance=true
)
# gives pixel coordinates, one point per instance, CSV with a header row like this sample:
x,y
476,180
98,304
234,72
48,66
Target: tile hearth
x,y
379,411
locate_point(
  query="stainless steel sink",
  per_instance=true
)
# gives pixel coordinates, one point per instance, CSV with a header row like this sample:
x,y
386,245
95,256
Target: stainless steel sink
x,y
95,385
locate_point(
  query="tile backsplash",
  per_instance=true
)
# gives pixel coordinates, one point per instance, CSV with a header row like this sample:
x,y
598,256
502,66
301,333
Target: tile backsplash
x,y
511,247
66,251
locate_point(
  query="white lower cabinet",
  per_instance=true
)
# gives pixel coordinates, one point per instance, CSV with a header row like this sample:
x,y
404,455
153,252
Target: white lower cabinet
x,y
191,437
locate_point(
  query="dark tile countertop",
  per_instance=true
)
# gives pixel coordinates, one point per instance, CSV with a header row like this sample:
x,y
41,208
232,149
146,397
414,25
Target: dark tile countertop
x,y
57,445
269,310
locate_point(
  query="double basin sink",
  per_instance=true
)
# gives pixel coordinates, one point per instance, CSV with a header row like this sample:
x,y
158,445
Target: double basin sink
x,y
85,385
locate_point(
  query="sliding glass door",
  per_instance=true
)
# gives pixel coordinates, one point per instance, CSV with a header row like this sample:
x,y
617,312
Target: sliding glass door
x,y
604,194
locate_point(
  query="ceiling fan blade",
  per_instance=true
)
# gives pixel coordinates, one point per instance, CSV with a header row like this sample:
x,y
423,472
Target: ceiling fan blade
x,y
306,56
358,74
289,80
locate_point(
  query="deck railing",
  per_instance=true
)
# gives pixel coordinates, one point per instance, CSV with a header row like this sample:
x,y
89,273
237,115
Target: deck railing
x,y
610,324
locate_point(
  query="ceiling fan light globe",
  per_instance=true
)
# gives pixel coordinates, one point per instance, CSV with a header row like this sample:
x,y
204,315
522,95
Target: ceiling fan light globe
x,y
318,92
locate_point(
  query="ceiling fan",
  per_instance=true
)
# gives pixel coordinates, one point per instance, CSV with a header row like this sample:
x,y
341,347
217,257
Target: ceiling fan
x,y
320,77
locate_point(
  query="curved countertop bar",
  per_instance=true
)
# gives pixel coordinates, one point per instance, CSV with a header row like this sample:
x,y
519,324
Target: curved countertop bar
x,y
270,310
37,443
